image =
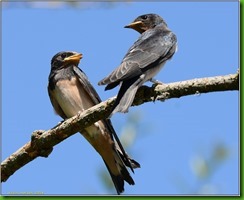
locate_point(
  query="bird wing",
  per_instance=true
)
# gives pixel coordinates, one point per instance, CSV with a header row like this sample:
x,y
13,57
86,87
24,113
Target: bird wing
x,y
55,104
96,99
152,45
87,85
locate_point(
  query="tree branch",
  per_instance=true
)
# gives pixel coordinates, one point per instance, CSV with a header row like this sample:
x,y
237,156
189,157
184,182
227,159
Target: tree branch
x,y
42,142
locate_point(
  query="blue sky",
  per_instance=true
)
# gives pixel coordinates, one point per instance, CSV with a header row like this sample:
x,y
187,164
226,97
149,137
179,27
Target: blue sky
x,y
170,136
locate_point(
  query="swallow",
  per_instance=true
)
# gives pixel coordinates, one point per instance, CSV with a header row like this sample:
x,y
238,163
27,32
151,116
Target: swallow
x,y
71,92
144,59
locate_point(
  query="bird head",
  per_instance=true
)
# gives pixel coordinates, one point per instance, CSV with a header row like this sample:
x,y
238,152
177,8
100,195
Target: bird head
x,y
145,22
65,58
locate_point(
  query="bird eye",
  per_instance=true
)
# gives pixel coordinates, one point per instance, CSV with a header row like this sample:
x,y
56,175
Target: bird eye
x,y
63,56
144,16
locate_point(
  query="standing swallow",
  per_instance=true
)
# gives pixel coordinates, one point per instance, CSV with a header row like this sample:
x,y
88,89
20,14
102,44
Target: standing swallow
x,y
143,61
70,92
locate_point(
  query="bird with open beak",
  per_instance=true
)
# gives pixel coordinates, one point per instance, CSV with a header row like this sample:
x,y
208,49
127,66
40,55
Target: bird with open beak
x,y
156,45
71,92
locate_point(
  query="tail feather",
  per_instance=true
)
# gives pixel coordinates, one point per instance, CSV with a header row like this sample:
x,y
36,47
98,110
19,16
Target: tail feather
x,y
127,94
118,180
126,101
129,162
132,164
112,85
117,168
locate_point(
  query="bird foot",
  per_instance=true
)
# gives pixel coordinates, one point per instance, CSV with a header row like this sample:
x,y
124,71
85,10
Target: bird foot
x,y
156,82
58,124
61,122
158,98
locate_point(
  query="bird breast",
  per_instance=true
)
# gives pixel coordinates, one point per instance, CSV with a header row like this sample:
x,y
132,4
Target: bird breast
x,y
72,97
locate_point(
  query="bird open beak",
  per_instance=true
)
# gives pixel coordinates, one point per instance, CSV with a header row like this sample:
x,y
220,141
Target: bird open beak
x,y
74,58
134,24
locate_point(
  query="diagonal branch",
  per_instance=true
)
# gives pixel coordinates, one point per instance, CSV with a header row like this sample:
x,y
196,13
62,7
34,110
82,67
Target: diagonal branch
x,y
42,142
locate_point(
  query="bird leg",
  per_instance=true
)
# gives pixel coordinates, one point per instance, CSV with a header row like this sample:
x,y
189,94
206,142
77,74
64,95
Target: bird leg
x,y
155,83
